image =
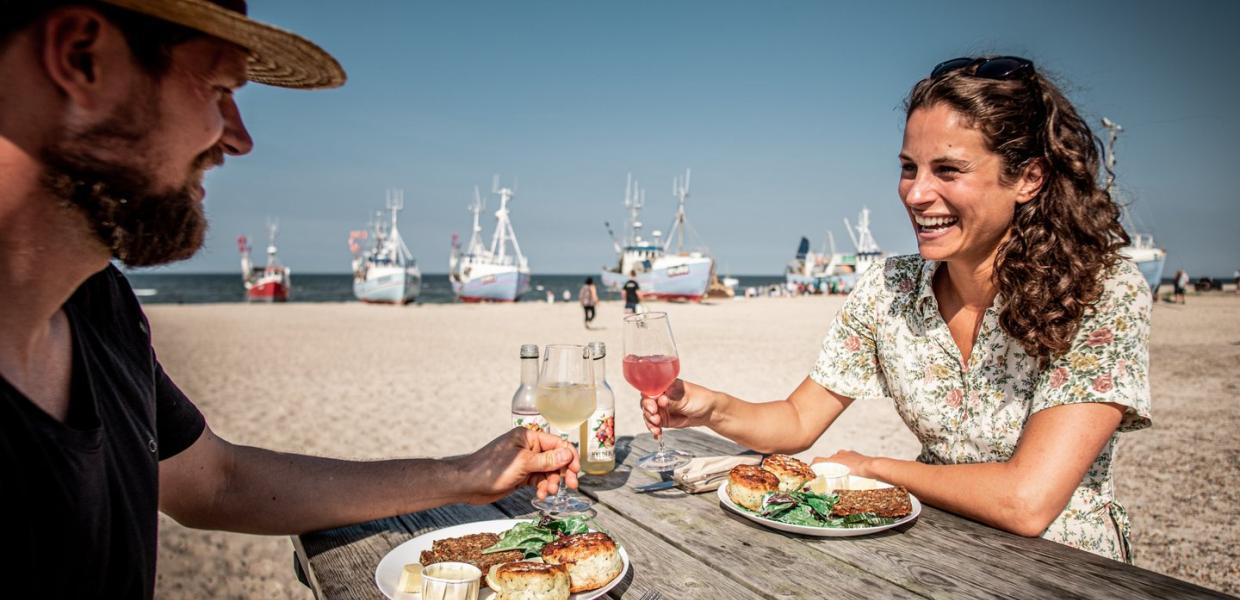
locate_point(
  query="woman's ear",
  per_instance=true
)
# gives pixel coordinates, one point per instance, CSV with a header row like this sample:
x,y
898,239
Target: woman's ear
x,y
1031,180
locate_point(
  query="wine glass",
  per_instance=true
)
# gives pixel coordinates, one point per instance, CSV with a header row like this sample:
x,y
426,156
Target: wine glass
x,y
651,365
565,398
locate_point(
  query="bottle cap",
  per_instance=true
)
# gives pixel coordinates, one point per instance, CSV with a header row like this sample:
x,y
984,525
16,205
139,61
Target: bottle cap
x,y
529,350
598,349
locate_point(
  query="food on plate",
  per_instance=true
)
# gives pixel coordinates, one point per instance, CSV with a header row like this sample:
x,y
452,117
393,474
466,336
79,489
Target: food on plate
x,y
791,472
528,580
410,579
886,502
747,484
592,559
529,537
468,549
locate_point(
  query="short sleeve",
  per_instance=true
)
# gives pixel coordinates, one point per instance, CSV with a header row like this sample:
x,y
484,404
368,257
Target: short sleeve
x,y
848,363
1110,358
178,422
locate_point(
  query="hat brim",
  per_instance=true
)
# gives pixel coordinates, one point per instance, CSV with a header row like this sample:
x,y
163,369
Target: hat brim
x,y
277,57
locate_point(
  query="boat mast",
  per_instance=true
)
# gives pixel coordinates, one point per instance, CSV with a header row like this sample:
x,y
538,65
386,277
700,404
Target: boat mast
x,y
863,240
475,247
680,189
503,226
395,202
1113,131
634,200
272,226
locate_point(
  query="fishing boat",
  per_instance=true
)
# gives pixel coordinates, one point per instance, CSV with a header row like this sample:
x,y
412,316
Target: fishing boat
x,y
828,270
496,274
660,272
271,282
384,271
1141,248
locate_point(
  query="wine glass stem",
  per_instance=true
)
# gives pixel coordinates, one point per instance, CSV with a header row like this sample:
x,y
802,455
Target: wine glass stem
x,y
562,493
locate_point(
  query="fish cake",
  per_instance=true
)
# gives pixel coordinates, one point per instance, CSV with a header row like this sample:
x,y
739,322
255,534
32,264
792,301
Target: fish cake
x,y
792,473
592,559
748,484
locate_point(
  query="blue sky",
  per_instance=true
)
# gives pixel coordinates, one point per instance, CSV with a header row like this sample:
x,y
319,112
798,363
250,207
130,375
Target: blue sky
x,y
787,112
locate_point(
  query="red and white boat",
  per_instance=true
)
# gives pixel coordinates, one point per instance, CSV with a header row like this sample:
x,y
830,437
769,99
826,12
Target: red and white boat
x,y
269,283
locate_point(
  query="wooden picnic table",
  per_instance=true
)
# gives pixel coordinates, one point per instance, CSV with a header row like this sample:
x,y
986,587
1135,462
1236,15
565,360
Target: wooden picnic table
x,y
688,546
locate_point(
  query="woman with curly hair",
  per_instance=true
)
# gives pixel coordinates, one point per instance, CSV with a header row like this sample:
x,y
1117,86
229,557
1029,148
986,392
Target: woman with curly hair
x,y
1014,345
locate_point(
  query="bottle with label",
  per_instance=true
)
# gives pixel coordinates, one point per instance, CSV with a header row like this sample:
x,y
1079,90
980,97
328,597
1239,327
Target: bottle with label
x,y
598,433
524,410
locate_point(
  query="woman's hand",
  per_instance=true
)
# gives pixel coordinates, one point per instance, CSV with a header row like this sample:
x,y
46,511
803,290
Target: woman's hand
x,y
683,404
520,457
858,464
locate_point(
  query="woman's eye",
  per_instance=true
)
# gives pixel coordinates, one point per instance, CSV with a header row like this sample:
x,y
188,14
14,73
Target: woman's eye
x,y
908,168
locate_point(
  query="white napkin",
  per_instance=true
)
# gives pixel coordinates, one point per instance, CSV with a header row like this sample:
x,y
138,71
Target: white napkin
x,y
707,473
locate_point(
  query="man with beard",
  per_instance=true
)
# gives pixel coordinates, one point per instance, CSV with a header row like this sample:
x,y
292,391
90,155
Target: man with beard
x,y
110,112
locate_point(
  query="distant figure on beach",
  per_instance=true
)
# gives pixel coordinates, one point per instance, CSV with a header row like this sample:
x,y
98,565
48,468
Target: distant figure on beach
x,y
110,113
1014,382
631,300
1235,281
1180,284
588,296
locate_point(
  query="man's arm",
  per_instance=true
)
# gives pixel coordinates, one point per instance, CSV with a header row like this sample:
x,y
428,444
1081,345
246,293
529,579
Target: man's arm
x,y
215,484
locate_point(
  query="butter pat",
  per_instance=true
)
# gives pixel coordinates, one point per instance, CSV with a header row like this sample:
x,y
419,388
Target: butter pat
x,y
410,579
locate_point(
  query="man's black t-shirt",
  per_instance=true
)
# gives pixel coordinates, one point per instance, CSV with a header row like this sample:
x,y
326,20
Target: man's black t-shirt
x,y
630,293
80,498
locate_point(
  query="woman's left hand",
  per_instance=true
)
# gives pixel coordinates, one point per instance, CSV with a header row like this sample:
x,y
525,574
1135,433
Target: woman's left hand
x,y
858,464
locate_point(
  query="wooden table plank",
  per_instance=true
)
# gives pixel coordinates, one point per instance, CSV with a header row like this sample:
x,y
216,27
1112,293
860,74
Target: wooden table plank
x,y
943,555
773,566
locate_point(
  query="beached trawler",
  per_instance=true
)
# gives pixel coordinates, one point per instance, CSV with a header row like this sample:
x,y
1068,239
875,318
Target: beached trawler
x,y
660,273
384,271
828,270
271,282
495,274
1141,248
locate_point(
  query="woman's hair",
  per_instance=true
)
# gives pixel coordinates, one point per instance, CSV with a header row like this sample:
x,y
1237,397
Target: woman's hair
x,y
589,281
1051,268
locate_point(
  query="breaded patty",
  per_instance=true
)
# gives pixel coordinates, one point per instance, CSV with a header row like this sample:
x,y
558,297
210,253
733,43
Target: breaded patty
x,y
468,549
592,559
526,580
747,484
886,502
791,472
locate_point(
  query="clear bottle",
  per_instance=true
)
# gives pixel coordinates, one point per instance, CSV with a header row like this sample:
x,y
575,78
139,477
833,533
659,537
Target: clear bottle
x,y
524,410
598,433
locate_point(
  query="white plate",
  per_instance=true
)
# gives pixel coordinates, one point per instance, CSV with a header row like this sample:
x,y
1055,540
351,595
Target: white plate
x,y
817,531
387,574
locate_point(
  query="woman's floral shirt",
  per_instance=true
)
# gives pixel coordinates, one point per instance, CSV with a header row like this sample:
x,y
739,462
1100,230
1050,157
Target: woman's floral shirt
x,y
889,341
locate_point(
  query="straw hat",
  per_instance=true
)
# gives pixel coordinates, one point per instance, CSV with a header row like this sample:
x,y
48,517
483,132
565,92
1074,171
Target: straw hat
x,y
277,57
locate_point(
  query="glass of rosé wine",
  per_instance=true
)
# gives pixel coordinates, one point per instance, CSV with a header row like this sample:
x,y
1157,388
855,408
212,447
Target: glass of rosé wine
x,y
651,365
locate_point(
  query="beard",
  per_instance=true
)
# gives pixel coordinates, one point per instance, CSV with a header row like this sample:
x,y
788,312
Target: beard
x,y
104,172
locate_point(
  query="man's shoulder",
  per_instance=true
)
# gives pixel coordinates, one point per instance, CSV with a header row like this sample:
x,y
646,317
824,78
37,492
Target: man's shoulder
x,y
106,298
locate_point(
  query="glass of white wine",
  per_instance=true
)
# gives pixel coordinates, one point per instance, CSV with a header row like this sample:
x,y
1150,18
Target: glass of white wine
x,y
565,398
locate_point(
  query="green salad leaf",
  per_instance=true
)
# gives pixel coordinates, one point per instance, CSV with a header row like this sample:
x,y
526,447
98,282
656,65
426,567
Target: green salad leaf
x,y
530,536
814,510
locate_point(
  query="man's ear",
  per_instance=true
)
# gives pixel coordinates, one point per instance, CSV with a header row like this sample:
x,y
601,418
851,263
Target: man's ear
x,y
80,49
1031,181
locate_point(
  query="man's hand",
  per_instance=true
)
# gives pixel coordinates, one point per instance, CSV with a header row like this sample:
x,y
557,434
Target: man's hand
x,y
519,457
683,404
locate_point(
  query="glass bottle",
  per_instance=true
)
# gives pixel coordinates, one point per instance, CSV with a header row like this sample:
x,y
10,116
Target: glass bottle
x,y
524,411
598,433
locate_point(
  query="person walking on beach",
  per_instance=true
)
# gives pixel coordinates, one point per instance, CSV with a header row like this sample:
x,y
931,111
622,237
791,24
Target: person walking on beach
x,y
110,113
1180,284
1015,384
588,296
631,299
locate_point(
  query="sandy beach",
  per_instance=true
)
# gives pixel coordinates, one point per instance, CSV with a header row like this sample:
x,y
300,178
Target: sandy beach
x,y
369,382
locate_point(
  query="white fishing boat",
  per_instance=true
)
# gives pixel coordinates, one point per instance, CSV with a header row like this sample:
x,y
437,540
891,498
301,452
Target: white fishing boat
x,y
384,271
1141,248
660,272
496,274
828,270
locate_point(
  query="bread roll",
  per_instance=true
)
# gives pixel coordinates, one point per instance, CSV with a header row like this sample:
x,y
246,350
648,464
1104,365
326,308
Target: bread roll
x,y
526,580
792,473
592,559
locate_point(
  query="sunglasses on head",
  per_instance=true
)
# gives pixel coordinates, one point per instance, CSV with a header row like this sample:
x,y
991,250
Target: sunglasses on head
x,y
999,67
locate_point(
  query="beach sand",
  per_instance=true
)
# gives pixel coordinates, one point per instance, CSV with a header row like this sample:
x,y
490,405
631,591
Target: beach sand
x,y
369,382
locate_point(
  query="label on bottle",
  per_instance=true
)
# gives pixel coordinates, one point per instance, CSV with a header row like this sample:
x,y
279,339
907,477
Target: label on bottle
x,y
600,436
534,421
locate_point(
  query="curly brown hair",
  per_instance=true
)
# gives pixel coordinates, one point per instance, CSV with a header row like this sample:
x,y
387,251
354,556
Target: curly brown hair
x,y
1050,270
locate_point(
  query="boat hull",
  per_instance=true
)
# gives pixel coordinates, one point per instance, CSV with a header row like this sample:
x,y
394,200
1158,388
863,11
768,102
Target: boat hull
x,y
1150,261
388,285
267,291
670,278
486,285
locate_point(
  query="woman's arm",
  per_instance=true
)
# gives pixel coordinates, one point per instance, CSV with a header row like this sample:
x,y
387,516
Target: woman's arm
x,y
1026,493
786,426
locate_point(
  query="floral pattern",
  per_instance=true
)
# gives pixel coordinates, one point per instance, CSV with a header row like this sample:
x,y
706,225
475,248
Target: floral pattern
x,y
889,341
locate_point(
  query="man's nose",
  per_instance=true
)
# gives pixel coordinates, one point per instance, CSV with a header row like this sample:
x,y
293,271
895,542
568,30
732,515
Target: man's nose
x,y
236,139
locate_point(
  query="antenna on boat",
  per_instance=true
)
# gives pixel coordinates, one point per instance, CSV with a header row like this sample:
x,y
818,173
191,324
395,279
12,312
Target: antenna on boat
x,y
680,189
1113,131
634,200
